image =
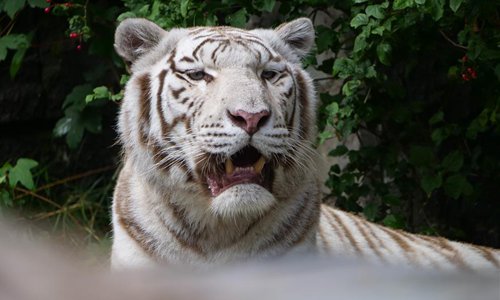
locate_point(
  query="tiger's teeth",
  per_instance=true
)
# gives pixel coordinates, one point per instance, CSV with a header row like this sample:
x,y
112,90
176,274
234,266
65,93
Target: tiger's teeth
x,y
259,165
229,166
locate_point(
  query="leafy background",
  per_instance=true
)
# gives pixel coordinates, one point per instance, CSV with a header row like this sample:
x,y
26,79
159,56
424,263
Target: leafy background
x,y
418,90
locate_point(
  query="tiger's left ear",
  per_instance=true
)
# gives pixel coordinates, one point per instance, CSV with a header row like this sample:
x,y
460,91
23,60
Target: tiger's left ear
x,y
298,35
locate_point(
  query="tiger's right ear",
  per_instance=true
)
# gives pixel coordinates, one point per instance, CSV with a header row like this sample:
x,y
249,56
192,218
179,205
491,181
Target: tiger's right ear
x,y
134,37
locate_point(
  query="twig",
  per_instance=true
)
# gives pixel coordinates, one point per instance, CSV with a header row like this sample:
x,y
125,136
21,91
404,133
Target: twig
x,y
451,41
67,209
367,95
324,78
7,28
28,192
68,179
62,209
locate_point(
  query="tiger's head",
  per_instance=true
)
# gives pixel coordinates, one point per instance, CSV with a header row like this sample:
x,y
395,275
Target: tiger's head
x,y
224,113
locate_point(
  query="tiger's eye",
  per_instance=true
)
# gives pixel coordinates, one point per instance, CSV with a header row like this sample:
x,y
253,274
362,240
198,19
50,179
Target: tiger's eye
x,y
268,74
198,75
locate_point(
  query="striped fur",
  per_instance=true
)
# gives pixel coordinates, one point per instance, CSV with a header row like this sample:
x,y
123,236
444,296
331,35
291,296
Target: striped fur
x,y
177,128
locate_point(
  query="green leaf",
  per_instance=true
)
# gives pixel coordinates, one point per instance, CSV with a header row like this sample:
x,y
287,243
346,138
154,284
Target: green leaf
x,y
211,20
62,126
3,171
11,7
375,11
343,67
21,173
370,72
457,185
479,124
13,41
92,121
5,199
38,3
497,70
360,43
359,20
238,19
421,156
325,135
384,51
455,4
101,92
155,9
184,7
436,118
391,200
15,64
325,38
264,5
3,52
117,97
439,135
332,108
431,182
350,87
77,96
338,151
75,134
393,221
126,15
370,210
402,4
453,162
124,79
436,9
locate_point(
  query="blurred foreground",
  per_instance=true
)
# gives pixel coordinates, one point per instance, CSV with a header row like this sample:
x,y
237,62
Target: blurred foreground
x,y
39,271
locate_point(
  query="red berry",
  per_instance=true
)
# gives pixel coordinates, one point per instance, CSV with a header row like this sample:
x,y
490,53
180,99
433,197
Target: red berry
x,y
470,70
46,10
465,77
79,47
473,74
68,4
48,1
465,58
73,35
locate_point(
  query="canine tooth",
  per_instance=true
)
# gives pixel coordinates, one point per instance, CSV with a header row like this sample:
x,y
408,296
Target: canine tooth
x,y
229,166
259,165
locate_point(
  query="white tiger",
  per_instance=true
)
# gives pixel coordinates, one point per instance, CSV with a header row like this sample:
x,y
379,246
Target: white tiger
x,y
217,125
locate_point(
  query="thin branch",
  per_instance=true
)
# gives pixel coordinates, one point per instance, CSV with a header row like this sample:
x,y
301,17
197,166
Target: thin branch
x,y
68,179
367,95
33,194
8,27
451,41
324,78
62,209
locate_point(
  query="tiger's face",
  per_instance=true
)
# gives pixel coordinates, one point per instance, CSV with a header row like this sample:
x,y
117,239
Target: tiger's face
x,y
228,113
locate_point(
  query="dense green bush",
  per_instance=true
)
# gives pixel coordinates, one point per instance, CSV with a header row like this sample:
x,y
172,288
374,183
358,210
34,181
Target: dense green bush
x,y
420,90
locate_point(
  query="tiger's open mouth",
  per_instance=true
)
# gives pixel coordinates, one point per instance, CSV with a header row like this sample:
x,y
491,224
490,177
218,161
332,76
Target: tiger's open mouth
x,y
246,166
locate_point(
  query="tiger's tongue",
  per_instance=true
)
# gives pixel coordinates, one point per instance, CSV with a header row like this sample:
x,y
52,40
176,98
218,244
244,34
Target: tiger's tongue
x,y
235,175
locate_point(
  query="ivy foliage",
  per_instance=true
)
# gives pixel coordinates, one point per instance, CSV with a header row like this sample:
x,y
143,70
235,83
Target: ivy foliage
x,y
419,90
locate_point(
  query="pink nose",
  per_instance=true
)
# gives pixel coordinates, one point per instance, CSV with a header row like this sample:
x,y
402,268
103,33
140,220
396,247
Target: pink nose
x,y
250,122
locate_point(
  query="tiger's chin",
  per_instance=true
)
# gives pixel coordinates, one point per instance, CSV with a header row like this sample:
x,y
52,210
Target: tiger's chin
x,y
242,201
242,185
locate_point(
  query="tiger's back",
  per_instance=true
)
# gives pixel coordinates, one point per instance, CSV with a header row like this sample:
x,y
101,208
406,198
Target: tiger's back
x,y
217,128
342,232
